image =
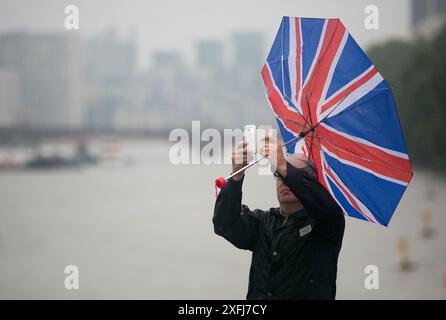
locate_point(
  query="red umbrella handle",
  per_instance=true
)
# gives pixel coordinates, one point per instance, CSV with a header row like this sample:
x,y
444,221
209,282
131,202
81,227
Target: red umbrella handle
x,y
221,182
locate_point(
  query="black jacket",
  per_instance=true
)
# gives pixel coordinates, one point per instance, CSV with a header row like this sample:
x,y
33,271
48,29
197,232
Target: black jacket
x,y
293,258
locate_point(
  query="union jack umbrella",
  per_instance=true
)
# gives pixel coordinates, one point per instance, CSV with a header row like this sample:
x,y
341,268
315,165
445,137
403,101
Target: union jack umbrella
x,y
333,105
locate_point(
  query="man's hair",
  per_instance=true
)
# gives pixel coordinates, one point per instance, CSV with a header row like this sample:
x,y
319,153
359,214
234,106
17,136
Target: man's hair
x,y
310,168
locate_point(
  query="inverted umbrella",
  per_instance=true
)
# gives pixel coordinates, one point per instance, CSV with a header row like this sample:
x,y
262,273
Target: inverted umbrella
x,y
332,105
320,82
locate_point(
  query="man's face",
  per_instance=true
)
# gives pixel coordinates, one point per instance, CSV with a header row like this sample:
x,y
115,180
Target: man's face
x,y
284,194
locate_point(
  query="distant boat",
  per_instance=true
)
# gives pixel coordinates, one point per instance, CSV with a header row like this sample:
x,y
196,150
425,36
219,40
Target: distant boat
x,y
81,158
51,162
48,162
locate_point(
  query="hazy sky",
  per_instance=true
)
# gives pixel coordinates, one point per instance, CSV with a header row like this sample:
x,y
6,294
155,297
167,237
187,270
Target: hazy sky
x,y
175,24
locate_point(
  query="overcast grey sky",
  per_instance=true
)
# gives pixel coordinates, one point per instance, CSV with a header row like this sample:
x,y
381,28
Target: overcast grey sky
x,y
175,24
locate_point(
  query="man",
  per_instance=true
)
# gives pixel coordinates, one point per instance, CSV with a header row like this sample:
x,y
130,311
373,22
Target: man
x,y
295,248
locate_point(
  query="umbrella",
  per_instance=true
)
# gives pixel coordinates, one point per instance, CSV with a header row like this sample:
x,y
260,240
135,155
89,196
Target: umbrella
x,y
333,105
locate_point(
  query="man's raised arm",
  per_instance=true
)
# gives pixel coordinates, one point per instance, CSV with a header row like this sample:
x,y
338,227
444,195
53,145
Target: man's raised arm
x,y
315,198
234,222
311,193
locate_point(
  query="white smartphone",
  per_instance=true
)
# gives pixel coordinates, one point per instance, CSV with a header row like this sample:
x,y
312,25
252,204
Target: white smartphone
x,y
249,136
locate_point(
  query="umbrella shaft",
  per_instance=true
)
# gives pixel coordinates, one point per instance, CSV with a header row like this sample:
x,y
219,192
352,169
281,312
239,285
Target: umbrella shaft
x,y
244,168
299,137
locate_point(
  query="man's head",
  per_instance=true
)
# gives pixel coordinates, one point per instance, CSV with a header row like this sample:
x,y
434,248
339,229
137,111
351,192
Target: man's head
x,y
284,194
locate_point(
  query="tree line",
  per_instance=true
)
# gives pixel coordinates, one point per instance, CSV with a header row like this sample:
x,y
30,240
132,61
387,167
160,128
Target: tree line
x,y
416,71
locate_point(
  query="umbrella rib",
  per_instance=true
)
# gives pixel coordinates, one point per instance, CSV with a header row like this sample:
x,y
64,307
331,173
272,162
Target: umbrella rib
x,y
297,111
339,103
309,120
378,219
283,81
314,71
286,119
352,154
296,123
348,108
309,92
334,145
313,126
317,137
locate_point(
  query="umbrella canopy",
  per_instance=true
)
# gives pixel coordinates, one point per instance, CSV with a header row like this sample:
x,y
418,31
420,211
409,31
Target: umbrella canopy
x,y
321,85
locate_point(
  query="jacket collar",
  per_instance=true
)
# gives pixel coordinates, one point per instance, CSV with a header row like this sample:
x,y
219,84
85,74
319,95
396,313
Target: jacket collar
x,y
295,215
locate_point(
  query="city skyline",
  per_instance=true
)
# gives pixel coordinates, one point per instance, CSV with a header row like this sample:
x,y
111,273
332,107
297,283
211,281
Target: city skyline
x,y
59,80
145,20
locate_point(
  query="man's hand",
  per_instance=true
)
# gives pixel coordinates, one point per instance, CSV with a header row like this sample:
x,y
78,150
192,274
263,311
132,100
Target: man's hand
x,y
274,153
239,159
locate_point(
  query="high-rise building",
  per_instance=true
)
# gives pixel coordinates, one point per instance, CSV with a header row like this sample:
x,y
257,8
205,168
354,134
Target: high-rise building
x,y
167,59
50,72
210,54
428,16
111,78
166,74
248,50
425,9
11,108
110,58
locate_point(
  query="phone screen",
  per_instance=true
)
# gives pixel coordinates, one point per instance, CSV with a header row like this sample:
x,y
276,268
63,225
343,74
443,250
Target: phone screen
x,y
249,136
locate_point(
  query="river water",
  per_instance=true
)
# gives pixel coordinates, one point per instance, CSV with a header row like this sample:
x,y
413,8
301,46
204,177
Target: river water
x,y
142,229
